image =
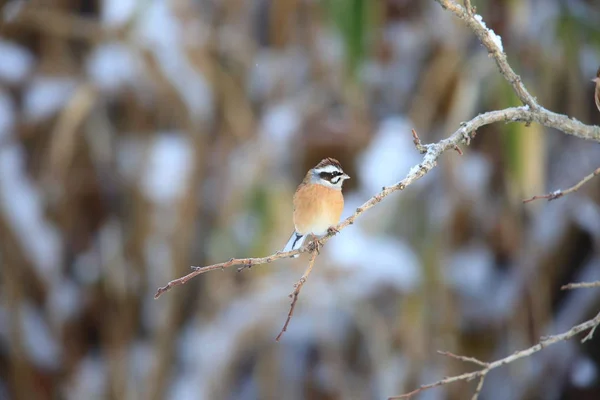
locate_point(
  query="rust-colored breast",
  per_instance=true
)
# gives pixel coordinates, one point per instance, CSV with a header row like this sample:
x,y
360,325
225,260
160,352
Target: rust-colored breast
x,y
316,208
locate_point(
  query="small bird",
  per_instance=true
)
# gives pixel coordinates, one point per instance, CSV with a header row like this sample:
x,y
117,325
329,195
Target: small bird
x,y
596,80
318,202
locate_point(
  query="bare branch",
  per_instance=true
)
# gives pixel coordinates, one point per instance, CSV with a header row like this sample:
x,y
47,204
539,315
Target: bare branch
x,y
465,359
581,285
296,292
544,342
479,386
432,152
491,41
560,193
590,334
245,262
417,141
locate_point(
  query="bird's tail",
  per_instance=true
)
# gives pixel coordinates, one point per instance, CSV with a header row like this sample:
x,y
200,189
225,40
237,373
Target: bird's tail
x,y
296,241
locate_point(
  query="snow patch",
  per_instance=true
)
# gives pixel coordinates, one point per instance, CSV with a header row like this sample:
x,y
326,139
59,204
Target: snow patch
x,y
170,163
495,38
279,124
375,262
116,13
112,66
16,62
39,343
584,372
90,377
46,95
23,207
388,157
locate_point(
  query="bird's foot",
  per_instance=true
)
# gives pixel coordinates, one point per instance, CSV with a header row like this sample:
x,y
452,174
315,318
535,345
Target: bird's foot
x,y
332,230
314,245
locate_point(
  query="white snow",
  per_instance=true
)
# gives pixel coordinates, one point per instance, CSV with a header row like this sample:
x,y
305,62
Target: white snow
x,y
170,163
470,270
86,267
116,13
160,32
587,214
45,95
64,301
142,359
39,343
584,372
473,174
90,377
16,62
495,38
112,66
389,156
188,81
279,124
330,47
22,206
157,26
374,262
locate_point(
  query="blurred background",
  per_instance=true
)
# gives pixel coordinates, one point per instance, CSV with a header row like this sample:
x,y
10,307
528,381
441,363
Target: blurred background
x,y
139,137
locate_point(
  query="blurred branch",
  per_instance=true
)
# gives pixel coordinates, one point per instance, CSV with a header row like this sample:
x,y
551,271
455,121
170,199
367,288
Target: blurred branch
x,y
57,23
544,342
296,292
581,285
560,193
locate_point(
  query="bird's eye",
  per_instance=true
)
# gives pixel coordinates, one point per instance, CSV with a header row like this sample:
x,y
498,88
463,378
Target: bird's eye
x,y
326,175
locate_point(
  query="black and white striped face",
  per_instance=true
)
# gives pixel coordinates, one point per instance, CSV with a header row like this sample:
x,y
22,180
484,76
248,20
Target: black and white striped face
x,y
330,175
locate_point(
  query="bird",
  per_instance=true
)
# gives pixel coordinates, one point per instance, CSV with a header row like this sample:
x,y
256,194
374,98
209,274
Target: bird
x,y
596,80
318,202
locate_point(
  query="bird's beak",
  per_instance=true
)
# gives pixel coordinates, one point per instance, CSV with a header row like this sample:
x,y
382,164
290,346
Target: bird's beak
x,y
346,176
595,80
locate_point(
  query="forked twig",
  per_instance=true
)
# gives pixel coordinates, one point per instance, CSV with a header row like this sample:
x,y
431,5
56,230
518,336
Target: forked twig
x,y
544,342
560,193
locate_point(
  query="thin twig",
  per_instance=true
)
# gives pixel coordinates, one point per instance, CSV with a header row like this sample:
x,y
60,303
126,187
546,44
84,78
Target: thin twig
x,y
417,141
584,285
465,359
296,292
479,385
560,193
470,9
244,262
590,334
544,342
581,285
